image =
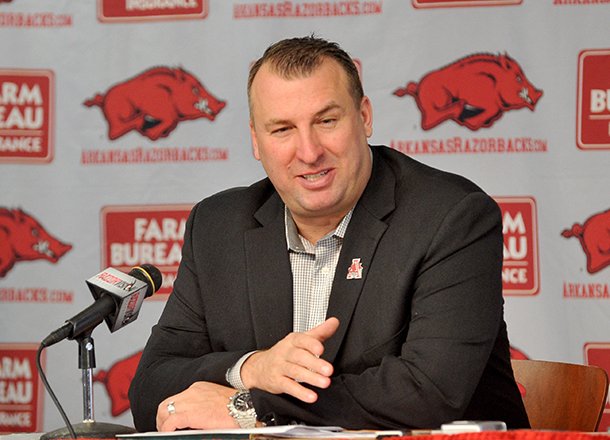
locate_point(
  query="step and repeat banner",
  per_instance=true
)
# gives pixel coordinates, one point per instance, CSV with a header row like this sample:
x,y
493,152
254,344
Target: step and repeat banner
x,y
117,116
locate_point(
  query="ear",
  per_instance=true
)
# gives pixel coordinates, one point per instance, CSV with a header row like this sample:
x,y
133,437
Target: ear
x,y
255,151
505,61
181,74
19,215
366,113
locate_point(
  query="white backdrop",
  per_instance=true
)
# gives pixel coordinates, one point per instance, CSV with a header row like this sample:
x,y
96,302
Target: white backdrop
x,y
109,198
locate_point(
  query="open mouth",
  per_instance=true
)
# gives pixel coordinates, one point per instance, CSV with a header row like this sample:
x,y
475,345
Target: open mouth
x,y
314,177
525,95
42,247
203,106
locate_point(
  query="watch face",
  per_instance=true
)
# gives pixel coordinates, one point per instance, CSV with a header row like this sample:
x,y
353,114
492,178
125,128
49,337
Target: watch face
x,y
243,402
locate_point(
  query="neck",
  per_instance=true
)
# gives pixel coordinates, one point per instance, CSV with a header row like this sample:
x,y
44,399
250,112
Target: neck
x,y
313,229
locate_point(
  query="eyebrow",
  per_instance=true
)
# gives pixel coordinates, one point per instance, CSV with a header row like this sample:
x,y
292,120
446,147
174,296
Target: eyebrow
x,y
331,106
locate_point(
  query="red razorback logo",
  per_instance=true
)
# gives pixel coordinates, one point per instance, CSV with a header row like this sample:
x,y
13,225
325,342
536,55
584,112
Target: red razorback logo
x,y
154,101
594,236
22,238
117,380
473,91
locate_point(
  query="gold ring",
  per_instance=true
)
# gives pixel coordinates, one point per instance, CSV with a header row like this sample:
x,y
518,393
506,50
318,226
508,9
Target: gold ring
x,y
171,408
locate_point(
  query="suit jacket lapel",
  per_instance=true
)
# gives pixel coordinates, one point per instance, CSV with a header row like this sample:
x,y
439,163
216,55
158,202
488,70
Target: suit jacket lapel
x,y
269,275
361,239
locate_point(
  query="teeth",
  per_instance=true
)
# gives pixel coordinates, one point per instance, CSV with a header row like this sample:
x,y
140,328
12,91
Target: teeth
x,y
525,95
312,177
202,106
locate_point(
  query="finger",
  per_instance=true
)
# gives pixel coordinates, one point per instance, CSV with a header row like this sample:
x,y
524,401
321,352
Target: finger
x,y
309,376
325,330
298,391
312,340
173,422
163,413
307,358
165,425
178,418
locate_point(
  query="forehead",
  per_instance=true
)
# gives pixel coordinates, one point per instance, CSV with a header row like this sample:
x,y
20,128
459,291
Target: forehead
x,y
271,90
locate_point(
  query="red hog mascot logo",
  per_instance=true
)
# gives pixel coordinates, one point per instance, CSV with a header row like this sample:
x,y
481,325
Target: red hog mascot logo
x,y
22,238
153,102
594,236
474,91
117,380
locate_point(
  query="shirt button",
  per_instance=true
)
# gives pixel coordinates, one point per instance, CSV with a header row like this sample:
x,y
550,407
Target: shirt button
x,y
325,270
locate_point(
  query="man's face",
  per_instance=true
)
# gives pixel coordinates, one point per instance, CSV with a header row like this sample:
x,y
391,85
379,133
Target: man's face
x,y
311,139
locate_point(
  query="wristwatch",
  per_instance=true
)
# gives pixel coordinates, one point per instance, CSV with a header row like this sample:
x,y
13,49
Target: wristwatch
x,y
242,409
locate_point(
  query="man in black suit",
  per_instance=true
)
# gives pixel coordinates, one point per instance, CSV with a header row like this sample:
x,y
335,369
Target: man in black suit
x,y
354,286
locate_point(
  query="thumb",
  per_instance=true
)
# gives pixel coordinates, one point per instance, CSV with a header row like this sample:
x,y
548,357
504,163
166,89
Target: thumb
x,y
325,330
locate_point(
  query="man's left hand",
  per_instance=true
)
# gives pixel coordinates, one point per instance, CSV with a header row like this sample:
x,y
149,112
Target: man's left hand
x,y
203,405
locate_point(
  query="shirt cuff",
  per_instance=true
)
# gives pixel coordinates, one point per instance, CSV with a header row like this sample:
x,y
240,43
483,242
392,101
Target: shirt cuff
x,y
233,374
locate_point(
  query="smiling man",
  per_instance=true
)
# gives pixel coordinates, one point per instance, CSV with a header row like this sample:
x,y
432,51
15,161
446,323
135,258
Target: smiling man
x,y
311,137
354,286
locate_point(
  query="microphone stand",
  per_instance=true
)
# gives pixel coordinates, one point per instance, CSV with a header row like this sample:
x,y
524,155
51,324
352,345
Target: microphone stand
x,y
89,428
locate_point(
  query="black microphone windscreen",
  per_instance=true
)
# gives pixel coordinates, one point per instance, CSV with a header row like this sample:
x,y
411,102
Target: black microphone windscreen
x,y
150,275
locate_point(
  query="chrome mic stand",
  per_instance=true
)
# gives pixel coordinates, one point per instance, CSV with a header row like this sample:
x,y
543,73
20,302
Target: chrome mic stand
x,y
89,427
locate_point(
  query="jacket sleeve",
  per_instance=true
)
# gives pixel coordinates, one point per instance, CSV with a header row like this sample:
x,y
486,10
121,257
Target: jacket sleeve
x,y
179,351
456,316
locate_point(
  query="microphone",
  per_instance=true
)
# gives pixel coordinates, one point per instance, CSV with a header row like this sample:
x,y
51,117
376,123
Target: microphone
x,y
118,298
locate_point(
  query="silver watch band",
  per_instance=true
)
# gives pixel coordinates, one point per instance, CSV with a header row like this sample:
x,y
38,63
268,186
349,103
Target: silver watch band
x,y
242,410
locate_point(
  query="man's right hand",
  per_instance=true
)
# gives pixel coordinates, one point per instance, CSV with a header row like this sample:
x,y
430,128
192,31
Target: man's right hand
x,y
293,360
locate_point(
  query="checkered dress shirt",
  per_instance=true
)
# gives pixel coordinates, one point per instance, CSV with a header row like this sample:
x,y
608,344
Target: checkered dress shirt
x,y
313,271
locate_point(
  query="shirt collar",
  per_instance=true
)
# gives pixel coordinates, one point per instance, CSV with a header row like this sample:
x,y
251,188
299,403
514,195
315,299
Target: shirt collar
x,y
293,238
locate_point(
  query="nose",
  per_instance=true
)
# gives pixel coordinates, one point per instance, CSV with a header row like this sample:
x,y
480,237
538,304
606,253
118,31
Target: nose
x,y
309,149
537,95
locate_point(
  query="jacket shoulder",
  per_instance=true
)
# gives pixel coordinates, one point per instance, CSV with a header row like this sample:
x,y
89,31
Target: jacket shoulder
x,y
233,207
421,176
430,192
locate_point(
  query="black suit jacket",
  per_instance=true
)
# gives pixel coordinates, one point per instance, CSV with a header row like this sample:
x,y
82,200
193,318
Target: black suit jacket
x,y
422,338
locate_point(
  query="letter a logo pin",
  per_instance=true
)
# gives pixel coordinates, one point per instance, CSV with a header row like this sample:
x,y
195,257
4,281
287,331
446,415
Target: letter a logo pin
x,y
354,272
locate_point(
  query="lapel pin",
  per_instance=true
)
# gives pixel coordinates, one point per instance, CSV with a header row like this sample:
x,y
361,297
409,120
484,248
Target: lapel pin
x,y
354,272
